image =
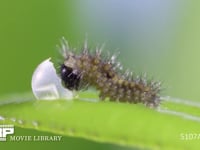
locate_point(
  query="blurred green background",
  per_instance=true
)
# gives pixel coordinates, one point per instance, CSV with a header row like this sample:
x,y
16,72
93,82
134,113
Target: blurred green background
x,y
161,38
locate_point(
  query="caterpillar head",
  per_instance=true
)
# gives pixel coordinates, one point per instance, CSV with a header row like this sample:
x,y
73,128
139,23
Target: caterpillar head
x,y
70,76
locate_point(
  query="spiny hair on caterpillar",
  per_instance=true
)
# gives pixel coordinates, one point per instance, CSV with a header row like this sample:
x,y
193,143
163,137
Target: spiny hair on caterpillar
x,y
83,69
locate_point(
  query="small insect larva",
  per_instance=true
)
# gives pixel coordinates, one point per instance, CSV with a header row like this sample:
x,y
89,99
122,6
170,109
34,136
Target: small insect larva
x,y
91,69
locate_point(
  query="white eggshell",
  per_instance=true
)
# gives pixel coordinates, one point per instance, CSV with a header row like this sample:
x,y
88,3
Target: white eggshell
x,y
46,84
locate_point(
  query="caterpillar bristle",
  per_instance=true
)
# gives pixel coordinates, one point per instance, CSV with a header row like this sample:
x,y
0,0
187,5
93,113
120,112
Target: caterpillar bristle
x,y
105,74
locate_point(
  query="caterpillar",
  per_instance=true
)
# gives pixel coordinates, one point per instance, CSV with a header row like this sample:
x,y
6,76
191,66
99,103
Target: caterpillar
x,y
87,68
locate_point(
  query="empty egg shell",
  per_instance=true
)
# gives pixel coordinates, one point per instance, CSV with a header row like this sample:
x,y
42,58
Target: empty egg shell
x,y
46,84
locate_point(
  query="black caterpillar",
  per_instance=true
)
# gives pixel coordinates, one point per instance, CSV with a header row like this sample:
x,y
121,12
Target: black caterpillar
x,y
91,69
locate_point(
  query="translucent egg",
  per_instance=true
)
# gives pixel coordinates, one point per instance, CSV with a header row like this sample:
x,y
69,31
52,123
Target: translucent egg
x,y
46,84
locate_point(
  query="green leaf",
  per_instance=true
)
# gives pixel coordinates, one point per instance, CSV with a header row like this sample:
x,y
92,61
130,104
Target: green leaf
x,y
119,123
